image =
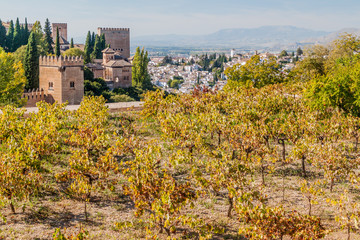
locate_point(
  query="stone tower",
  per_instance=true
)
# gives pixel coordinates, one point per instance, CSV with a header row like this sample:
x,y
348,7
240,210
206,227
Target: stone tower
x,y
62,79
62,30
118,39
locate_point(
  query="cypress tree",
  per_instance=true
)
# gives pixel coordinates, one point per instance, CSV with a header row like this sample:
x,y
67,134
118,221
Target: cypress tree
x,y
17,36
26,33
87,48
103,42
57,43
140,75
92,42
10,37
96,54
72,43
48,39
22,35
2,35
31,64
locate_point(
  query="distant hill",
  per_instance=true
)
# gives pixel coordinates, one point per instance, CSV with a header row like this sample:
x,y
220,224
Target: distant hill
x,y
334,35
266,37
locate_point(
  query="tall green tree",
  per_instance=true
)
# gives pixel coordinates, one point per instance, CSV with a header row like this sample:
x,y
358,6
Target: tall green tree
x,y
17,41
48,41
299,51
103,42
10,37
31,63
96,54
140,75
2,35
87,49
57,43
22,35
12,79
93,38
72,43
38,32
26,33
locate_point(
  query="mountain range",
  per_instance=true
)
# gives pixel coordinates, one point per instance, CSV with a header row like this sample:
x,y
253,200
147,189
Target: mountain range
x,y
266,37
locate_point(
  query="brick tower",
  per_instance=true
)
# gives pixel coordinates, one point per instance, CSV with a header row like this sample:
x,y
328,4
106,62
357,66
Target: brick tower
x,y
62,79
118,39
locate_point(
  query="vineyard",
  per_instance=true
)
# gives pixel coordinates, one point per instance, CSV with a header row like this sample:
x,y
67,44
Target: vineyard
x,y
240,164
276,159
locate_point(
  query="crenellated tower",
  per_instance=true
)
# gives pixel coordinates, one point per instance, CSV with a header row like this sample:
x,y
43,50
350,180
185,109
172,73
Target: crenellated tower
x,y
62,78
118,39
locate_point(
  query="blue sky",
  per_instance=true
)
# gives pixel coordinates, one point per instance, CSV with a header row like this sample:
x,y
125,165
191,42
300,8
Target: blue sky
x,y
146,17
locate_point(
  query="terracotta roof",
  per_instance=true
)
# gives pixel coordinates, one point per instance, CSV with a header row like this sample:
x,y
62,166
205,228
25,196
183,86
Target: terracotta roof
x,y
117,63
108,50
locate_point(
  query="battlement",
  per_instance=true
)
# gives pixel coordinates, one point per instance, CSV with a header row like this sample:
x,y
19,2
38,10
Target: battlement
x,y
60,61
114,29
33,96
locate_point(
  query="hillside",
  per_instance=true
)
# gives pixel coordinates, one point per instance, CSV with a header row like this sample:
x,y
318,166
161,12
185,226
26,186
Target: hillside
x,y
266,37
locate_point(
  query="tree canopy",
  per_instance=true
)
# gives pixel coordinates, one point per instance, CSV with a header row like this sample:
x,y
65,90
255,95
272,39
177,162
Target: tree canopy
x,y
74,52
255,73
12,79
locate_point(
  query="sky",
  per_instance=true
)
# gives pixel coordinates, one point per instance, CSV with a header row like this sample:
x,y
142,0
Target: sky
x,y
189,17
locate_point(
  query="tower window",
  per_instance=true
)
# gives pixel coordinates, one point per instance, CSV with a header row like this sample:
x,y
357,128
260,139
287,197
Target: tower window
x,y
72,84
51,85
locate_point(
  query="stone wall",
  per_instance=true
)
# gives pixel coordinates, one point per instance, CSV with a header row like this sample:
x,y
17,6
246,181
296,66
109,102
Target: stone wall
x,y
33,96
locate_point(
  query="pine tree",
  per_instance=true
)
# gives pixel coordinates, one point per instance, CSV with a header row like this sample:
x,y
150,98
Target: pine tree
x,y
140,75
87,48
72,43
2,35
31,64
96,54
48,39
103,42
10,37
17,36
57,43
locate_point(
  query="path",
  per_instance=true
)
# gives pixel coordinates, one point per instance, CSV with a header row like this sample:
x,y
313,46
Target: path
x,y
113,107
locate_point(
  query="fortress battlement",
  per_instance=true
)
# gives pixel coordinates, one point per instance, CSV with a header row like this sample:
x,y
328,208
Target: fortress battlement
x,y
61,61
114,29
33,96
